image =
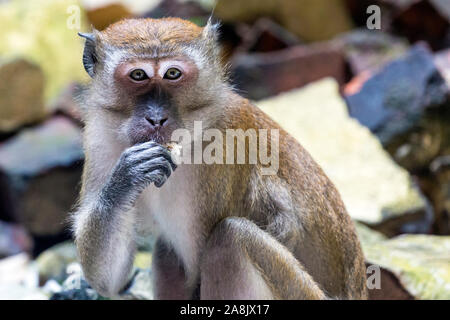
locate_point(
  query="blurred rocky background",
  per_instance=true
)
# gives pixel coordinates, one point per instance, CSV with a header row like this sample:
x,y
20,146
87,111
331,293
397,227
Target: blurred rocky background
x,y
368,97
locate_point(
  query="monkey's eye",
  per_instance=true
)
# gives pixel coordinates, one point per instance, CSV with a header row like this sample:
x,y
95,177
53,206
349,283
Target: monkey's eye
x,y
138,75
172,74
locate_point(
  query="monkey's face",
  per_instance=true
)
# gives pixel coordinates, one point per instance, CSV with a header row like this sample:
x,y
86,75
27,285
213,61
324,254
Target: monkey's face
x,y
152,77
155,88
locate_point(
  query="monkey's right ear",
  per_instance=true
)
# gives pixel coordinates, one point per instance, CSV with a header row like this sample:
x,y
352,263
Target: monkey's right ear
x,y
211,30
89,56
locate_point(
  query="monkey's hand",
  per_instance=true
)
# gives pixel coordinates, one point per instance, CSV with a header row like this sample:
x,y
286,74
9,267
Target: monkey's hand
x,y
137,167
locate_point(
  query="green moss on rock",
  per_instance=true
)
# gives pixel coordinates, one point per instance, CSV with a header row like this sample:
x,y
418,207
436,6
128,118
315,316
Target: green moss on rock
x,y
420,262
39,31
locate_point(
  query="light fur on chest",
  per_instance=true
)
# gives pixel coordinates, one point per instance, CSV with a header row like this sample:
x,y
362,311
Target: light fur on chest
x,y
172,212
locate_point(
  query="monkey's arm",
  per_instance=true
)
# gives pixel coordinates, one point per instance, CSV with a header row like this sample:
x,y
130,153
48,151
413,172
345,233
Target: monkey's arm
x,y
242,261
105,224
105,239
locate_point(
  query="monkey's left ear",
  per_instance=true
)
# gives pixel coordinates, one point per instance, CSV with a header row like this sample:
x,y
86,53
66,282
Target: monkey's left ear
x,y
89,56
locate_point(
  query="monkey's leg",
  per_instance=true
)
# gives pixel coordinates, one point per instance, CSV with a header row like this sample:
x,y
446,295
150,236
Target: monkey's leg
x,y
168,273
241,261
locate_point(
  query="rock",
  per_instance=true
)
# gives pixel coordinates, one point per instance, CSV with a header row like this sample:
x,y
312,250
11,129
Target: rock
x,y
21,94
436,185
429,139
19,279
392,101
54,143
442,61
140,287
358,11
48,39
266,36
301,17
370,50
66,103
143,260
407,106
43,165
261,75
374,189
102,17
191,10
426,20
51,287
52,263
135,7
7,212
420,264
75,287
18,269
306,18
13,239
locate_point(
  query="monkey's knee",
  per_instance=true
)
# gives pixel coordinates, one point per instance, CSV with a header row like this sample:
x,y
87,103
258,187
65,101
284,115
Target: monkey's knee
x,y
242,261
226,270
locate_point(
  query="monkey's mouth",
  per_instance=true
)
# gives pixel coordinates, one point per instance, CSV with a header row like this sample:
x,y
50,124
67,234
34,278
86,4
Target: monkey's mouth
x,y
157,137
143,134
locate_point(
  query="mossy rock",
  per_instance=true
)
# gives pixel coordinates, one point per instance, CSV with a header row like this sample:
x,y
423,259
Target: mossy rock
x,y
53,262
421,263
301,17
374,188
41,32
21,94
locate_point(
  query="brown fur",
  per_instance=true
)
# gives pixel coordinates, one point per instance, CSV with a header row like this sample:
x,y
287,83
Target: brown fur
x,y
157,31
225,229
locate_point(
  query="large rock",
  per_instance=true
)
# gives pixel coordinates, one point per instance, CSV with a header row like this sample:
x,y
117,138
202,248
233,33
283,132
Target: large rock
x,y
374,189
136,7
264,36
103,16
407,106
59,263
43,166
442,61
13,239
392,101
436,185
44,33
192,10
19,279
427,20
369,50
75,287
52,263
261,75
140,286
302,17
21,94
413,266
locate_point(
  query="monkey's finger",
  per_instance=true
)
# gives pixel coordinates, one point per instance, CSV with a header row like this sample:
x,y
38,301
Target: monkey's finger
x,y
157,176
144,155
159,183
159,151
156,164
144,146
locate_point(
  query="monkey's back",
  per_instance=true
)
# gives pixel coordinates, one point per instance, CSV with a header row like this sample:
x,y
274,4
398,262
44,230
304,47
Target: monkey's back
x,y
302,208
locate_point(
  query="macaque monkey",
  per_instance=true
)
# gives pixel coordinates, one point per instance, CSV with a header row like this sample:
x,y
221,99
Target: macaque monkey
x,y
224,231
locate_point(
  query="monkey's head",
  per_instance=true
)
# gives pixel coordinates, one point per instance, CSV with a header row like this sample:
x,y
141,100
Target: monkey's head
x,y
152,76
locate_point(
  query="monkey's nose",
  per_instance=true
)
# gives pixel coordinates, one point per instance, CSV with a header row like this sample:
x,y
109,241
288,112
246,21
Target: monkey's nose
x,y
156,122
